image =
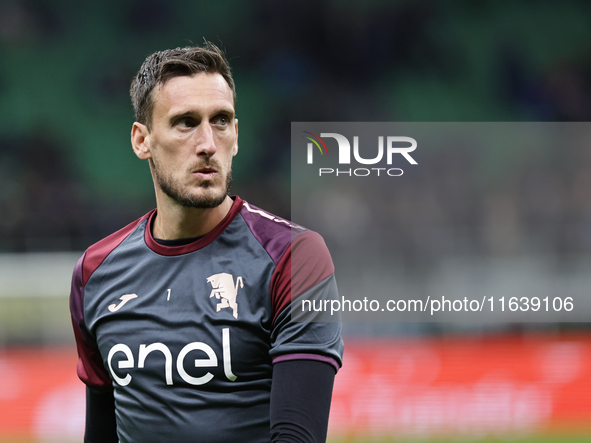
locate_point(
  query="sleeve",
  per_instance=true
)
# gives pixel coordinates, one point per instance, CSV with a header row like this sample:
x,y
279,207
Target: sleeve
x,y
90,363
101,424
305,272
301,393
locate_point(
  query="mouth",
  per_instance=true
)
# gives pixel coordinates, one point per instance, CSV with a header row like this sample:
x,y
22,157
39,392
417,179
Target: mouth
x,y
206,173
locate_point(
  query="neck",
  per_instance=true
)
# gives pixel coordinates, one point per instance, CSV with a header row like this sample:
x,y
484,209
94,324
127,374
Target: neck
x,y
174,221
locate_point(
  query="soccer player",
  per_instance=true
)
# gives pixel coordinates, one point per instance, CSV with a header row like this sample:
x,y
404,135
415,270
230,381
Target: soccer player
x,y
182,319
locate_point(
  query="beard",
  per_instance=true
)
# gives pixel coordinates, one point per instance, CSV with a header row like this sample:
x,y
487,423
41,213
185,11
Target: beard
x,y
185,198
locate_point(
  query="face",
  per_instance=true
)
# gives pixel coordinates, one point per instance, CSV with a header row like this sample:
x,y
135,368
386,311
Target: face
x,y
193,138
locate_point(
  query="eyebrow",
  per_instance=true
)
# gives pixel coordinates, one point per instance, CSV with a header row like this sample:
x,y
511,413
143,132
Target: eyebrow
x,y
191,113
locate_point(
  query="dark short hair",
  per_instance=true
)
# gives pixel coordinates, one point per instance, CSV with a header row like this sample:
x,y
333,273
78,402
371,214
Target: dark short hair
x,y
161,66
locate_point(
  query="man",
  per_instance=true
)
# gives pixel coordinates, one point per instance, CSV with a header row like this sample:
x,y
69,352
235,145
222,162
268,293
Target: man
x,y
183,318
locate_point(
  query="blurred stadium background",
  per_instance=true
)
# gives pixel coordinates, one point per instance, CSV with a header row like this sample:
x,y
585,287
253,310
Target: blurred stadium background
x,y
68,177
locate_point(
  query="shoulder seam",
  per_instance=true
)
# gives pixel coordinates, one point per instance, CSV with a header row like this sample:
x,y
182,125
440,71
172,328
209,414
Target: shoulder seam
x,y
261,244
103,248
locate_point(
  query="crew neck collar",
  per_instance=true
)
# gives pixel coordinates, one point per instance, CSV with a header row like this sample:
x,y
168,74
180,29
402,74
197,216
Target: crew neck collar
x,y
197,244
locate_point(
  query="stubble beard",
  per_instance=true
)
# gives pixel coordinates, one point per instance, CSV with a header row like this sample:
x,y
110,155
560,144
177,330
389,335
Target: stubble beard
x,y
185,198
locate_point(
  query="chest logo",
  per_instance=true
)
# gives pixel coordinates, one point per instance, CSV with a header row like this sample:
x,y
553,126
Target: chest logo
x,y
124,299
224,289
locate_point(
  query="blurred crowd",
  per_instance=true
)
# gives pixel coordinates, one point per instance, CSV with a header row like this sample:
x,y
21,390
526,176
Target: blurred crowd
x,y
309,61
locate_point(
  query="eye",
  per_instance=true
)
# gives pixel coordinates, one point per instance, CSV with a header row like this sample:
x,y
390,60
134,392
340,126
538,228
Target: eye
x,y
221,120
186,122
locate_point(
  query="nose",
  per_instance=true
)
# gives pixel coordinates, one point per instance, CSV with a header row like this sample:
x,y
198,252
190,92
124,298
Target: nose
x,y
204,140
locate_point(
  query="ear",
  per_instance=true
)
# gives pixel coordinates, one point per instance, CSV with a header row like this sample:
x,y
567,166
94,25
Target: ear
x,y
140,137
235,148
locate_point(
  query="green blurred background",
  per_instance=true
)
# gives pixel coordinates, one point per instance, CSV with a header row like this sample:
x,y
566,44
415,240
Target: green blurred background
x,y
68,176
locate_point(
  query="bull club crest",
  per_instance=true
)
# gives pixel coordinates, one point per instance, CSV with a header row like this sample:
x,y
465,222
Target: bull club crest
x,y
224,289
